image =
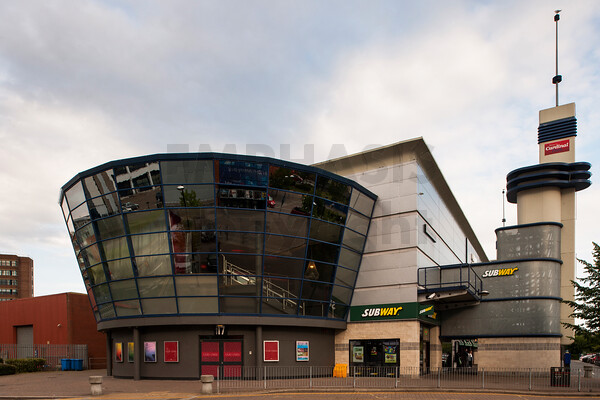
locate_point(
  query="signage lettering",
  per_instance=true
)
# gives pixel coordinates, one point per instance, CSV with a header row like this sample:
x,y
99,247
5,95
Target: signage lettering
x,y
381,311
556,147
499,272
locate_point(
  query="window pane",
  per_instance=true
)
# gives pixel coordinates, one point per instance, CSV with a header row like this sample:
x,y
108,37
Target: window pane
x,y
341,294
115,248
100,184
323,251
156,287
281,288
110,227
96,274
159,306
124,290
240,220
326,232
150,266
239,305
290,179
345,277
91,255
80,216
285,246
357,222
193,242
196,285
314,308
106,311
120,269
104,206
101,293
349,259
141,199
144,222
189,219
198,305
329,211
187,171
155,243
189,196
242,173
287,224
338,311
85,236
354,240
289,203
75,195
240,264
241,197
333,190
128,308
276,266
318,271
65,208
235,242
195,263
361,203
279,305
316,291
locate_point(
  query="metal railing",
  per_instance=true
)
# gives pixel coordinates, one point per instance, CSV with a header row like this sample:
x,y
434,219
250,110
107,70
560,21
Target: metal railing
x,y
52,353
450,277
315,377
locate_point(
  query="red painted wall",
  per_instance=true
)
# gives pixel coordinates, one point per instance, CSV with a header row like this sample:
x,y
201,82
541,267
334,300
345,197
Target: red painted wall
x,y
64,318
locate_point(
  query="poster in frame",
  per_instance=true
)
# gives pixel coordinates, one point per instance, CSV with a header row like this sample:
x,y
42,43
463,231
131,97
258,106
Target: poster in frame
x,y
118,352
130,351
171,351
302,350
271,350
149,351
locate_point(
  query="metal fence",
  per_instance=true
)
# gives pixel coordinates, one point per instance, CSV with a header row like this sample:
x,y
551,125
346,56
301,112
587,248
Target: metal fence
x,y
267,378
52,353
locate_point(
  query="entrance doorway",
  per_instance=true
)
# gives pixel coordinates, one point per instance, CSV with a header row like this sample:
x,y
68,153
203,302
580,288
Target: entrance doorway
x,y
221,357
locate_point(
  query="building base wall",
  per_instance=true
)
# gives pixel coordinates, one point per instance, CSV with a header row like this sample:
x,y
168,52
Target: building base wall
x,y
518,352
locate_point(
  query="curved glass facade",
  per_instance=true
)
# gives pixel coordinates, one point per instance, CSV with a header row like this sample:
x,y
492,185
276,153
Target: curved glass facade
x,y
201,234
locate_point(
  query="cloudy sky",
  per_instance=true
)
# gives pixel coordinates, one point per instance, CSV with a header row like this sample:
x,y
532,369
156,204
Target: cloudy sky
x,y
84,82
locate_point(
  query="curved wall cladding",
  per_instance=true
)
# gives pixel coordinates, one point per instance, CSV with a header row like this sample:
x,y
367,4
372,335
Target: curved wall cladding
x,y
529,241
213,234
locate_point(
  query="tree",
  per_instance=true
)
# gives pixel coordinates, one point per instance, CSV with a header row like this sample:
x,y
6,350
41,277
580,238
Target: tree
x,y
586,306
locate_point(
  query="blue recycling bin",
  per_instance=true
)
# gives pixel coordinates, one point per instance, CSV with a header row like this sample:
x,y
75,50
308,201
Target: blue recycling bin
x,y
65,364
77,364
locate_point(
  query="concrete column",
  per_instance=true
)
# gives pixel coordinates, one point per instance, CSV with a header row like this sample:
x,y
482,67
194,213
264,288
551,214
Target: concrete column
x,y
259,352
137,359
108,354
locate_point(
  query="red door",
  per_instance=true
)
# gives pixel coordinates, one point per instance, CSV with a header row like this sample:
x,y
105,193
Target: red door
x,y
221,358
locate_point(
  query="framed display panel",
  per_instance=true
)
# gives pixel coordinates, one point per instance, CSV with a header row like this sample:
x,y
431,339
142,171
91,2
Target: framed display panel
x,y
271,350
118,352
130,351
171,351
149,351
302,350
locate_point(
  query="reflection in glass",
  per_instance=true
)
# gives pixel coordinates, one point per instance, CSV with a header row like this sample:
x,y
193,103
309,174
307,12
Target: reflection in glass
x,y
195,263
245,173
106,311
122,290
333,190
240,264
349,259
75,195
189,219
322,251
96,274
316,271
91,255
361,202
314,308
354,240
357,222
65,208
101,293
187,171
85,236
159,306
189,195
279,305
282,288
100,184
104,206
110,227
329,211
290,179
145,222
337,311
154,243
115,248
341,294
286,267
141,199
80,216
289,203
239,305
345,277
240,220
150,266
128,308
325,232
287,224
198,285
198,305
236,242
156,287
285,246
139,175
120,269
241,197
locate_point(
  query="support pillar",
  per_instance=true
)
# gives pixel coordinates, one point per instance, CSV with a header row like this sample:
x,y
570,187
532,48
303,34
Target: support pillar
x,y
137,364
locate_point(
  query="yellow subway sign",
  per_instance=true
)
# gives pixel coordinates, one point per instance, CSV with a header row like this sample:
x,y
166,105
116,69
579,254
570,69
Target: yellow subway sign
x,y
491,273
381,311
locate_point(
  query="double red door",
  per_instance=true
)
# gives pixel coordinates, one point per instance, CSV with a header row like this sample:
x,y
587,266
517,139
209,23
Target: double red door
x,y
221,358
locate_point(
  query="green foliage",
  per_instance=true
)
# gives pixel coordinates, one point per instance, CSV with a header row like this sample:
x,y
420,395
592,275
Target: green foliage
x,y
584,343
27,364
586,306
6,369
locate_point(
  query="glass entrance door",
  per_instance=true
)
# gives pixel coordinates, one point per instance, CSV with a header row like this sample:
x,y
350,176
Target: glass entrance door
x,y
221,358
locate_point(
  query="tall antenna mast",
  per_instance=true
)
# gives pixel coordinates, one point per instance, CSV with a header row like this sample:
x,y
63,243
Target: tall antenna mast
x,y
557,78
503,213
